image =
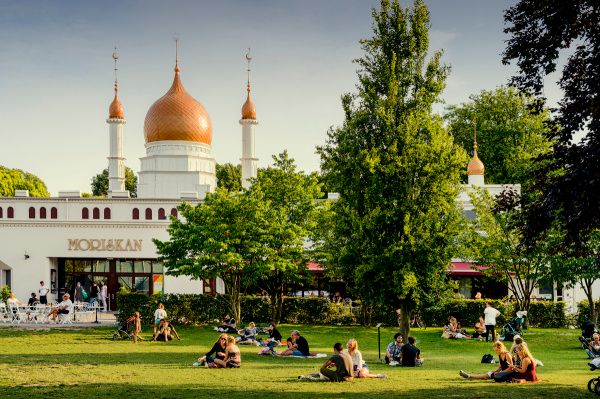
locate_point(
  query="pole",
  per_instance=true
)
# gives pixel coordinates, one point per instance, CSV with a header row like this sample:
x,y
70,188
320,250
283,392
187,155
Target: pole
x,y
379,340
97,322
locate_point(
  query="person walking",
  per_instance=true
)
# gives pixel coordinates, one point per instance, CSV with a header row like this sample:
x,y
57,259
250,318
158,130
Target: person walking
x,y
43,291
78,292
490,313
103,295
94,291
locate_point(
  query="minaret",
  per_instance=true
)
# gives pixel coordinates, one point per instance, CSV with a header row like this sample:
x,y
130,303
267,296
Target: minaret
x,y
475,168
249,161
116,161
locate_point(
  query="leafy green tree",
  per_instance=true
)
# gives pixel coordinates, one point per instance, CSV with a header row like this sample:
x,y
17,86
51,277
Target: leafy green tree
x,y
497,241
16,179
395,166
100,183
509,136
220,237
229,177
291,216
540,32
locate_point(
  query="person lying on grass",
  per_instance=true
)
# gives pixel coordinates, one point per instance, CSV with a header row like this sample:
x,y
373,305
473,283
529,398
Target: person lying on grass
x,y
233,357
248,335
298,347
359,367
166,331
526,371
503,373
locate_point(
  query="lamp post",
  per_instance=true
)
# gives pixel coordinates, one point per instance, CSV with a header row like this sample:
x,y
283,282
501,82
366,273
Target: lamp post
x,y
379,339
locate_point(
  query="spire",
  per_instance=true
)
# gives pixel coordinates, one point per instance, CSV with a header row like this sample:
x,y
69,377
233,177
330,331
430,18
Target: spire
x,y
248,109
177,69
115,111
475,166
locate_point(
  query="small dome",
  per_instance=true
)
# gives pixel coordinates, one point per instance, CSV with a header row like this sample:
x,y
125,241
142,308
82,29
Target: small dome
x,y
115,111
248,109
475,166
177,116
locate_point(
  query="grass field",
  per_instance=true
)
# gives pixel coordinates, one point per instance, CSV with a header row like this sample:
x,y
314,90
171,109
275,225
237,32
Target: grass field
x,y
88,364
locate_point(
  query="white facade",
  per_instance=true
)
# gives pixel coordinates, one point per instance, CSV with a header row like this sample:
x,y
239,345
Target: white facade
x,y
116,159
249,161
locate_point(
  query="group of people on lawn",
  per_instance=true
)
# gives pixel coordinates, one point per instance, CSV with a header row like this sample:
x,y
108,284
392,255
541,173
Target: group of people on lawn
x,y
485,327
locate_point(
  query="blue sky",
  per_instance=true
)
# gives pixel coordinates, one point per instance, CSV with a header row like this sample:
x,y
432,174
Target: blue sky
x,y
56,72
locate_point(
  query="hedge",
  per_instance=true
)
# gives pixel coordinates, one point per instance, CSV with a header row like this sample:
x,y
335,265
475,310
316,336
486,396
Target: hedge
x,y
583,311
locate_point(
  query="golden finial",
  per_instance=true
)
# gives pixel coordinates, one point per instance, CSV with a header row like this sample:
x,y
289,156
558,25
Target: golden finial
x,y
115,56
475,166
248,59
176,38
475,136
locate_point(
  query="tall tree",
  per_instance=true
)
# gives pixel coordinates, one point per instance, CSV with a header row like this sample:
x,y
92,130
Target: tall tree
x,y
16,179
220,237
539,33
291,215
395,166
229,177
100,183
509,136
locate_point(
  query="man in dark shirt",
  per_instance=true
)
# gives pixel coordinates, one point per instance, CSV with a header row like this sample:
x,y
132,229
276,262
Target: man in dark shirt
x,y
343,365
299,346
411,355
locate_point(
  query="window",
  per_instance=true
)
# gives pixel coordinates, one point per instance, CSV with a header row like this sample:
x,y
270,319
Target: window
x,y
42,213
31,212
85,213
135,214
96,213
1,212
10,212
174,212
161,214
142,284
53,213
124,266
106,213
142,266
209,286
148,214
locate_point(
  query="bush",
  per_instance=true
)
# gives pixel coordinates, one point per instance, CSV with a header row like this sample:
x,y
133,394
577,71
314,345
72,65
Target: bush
x,y
305,310
467,311
583,312
547,314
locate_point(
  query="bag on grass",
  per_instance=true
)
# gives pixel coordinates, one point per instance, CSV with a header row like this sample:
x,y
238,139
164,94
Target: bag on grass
x,y
487,358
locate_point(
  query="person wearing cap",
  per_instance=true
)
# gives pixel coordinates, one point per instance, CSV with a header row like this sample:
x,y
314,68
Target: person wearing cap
x,y
65,307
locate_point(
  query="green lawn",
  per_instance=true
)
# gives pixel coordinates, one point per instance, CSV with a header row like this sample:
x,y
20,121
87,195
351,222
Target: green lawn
x,y
87,364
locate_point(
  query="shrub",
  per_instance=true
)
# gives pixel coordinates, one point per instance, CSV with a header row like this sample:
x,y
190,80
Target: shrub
x,y
547,314
583,311
467,311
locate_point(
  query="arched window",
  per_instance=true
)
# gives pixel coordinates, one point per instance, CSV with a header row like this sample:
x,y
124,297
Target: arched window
x,y
96,213
135,214
174,212
161,214
53,213
10,212
85,213
106,213
42,213
31,212
1,215
148,214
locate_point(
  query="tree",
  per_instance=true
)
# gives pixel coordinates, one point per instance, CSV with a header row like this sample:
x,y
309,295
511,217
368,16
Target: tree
x,y
221,237
229,177
509,136
16,179
539,33
395,167
100,183
291,215
497,242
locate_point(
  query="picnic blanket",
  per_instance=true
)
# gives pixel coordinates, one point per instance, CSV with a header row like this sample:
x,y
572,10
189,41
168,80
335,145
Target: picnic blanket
x,y
317,356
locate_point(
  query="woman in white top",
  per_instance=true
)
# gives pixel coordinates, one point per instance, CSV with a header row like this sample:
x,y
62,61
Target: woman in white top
x,y
159,314
103,295
359,367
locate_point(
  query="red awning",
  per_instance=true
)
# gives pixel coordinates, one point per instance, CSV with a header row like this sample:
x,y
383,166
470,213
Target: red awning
x,y
465,269
314,267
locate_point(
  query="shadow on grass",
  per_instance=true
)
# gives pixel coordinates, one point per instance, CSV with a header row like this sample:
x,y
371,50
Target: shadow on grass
x,y
292,389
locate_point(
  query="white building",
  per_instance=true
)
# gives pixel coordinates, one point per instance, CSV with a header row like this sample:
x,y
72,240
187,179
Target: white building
x,y
68,239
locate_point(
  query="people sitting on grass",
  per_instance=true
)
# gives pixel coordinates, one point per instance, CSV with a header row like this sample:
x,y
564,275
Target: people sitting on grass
x,y
298,346
65,307
393,353
479,329
166,331
248,335
159,314
216,352
593,349
233,357
453,330
411,355
227,326
526,371
359,367
343,365
274,338
503,373
518,340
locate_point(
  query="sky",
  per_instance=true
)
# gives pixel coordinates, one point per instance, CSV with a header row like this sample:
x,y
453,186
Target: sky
x,y
56,72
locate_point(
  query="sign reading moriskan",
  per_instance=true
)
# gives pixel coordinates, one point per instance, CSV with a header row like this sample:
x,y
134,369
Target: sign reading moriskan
x,y
96,244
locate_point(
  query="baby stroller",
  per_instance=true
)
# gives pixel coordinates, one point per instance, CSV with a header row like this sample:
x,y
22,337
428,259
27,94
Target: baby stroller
x,y
588,329
513,326
123,331
593,384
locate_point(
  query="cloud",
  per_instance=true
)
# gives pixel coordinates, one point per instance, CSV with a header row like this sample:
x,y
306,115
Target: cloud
x,y
439,39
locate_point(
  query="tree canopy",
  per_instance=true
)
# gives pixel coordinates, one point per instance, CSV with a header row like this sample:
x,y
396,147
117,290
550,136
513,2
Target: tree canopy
x,y
100,183
395,166
16,179
229,177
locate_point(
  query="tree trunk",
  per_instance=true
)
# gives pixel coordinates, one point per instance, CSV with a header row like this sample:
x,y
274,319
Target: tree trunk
x,y
587,288
235,299
366,313
404,320
279,309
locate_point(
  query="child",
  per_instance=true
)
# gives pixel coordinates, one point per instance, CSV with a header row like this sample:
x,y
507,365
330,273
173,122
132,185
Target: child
x,y
136,320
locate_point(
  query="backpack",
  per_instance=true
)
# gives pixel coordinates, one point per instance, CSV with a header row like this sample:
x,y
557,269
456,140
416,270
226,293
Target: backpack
x,y
84,294
487,358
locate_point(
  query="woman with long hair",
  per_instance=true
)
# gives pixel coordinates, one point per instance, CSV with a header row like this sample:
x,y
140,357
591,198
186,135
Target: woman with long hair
x,y
503,373
359,367
216,352
526,371
233,357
